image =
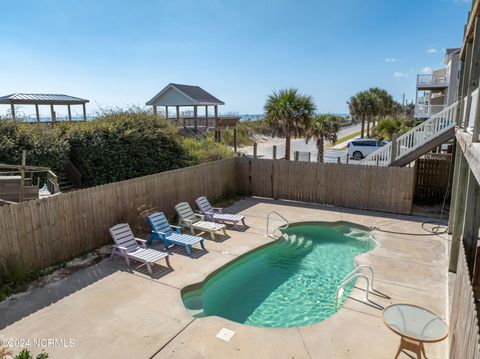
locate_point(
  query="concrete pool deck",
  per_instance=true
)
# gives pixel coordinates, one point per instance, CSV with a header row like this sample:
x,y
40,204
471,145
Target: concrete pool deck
x,y
111,311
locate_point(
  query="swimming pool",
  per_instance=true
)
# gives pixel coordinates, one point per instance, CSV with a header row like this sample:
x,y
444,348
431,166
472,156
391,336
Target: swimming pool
x,y
290,282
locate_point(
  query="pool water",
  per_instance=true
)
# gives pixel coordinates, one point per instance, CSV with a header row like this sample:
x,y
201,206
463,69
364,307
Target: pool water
x,y
291,282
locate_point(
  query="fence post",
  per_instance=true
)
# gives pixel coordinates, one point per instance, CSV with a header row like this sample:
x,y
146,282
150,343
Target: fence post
x,y
22,174
274,156
296,155
309,156
234,138
339,159
347,158
255,150
394,147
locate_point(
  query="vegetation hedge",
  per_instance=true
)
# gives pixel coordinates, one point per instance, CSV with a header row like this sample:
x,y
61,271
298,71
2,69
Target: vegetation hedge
x,y
122,145
118,145
45,145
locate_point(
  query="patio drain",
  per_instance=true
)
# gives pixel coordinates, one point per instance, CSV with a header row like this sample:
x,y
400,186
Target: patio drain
x,y
225,334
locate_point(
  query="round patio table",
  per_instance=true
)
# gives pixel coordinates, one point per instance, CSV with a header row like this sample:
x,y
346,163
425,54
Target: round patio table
x,y
415,325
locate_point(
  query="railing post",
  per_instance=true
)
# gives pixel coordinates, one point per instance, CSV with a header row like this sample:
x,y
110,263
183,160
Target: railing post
x,y
296,155
274,155
347,158
339,159
394,147
309,156
255,150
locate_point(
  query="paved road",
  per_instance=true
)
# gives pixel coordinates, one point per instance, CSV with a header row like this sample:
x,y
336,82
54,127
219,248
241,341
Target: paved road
x,y
265,149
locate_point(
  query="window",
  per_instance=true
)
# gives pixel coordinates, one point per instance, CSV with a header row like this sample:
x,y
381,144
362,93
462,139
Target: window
x,y
364,143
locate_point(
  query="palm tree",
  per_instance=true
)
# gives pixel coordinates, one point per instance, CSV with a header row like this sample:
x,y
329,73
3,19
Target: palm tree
x,y
289,114
386,105
361,107
324,127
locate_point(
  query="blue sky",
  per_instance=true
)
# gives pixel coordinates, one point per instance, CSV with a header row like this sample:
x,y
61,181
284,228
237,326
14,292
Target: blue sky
x,y
121,53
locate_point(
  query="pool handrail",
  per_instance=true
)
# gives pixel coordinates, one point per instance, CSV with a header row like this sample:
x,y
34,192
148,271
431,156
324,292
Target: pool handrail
x,y
284,226
356,270
339,294
355,273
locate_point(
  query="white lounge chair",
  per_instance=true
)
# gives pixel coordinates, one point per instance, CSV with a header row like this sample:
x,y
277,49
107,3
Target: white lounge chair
x,y
197,221
216,214
126,245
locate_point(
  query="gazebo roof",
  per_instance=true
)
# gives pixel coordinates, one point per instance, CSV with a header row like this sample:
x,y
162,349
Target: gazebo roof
x,y
183,95
46,99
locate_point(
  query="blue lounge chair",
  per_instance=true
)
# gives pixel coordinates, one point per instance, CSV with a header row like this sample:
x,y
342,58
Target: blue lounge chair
x,y
162,230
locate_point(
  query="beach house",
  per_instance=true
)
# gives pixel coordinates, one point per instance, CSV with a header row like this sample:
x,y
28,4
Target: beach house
x,y
438,89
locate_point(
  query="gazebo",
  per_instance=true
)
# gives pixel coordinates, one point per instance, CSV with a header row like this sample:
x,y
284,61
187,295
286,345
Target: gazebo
x,y
177,96
44,99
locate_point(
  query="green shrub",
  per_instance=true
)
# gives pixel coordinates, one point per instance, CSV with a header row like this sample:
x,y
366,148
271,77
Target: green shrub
x,y
45,145
25,354
200,151
387,127
123,144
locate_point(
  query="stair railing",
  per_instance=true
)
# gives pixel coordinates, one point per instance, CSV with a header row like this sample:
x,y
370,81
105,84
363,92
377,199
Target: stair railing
x,y
416,137
52,182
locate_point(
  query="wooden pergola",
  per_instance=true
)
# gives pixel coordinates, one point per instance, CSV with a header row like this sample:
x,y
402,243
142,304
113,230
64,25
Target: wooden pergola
x,y
44,99
178,96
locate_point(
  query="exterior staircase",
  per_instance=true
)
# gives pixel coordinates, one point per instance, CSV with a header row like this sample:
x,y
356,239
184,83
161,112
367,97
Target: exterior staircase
x,y
70,178
65,182
418,141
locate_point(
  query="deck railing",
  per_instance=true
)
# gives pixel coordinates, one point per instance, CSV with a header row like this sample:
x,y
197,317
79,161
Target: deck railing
x,y
213,122
413,139
470,121
431,79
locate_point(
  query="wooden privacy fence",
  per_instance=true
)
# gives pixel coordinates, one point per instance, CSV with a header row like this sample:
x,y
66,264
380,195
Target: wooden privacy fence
x,y
388,189
42,232
464,337
432,175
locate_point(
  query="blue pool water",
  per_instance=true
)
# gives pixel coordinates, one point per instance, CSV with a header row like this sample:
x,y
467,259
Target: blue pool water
x,y
291,282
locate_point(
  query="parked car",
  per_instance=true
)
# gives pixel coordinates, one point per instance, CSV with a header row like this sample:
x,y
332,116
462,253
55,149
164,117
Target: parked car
x,y
361,148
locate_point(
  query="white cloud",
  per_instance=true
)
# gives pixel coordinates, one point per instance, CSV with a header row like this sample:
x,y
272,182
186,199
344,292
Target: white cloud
x,y
400,75
392,59
427,70
432,50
